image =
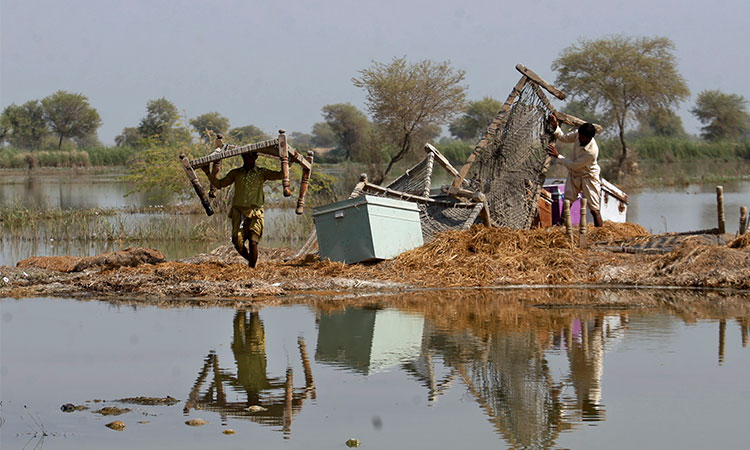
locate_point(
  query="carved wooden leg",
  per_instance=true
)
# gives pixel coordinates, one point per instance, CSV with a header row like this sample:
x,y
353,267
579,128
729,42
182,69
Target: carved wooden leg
x,y
196,184
303,184
284,156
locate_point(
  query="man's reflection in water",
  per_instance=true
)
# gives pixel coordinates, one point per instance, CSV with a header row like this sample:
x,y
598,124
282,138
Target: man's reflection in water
x,y
268,400
506,368
249,348
585,349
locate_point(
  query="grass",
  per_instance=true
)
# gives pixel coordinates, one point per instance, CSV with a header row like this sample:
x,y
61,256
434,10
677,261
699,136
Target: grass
x,y
18,222
13,158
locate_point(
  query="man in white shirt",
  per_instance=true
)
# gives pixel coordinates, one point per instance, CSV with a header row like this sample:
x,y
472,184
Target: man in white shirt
x,y
583,170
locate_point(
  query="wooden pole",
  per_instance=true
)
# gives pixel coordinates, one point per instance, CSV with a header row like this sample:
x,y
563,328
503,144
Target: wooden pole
x,y
582,225
303,184
743,220
720,208
538,80
284,156
566,220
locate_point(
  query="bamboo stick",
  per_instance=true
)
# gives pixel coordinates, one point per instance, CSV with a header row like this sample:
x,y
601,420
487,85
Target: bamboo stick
x,y
720,209
566,220
582,225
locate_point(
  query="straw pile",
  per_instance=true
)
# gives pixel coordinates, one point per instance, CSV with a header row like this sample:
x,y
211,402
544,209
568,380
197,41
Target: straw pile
x,y
54,263
477,257
741,241
695,263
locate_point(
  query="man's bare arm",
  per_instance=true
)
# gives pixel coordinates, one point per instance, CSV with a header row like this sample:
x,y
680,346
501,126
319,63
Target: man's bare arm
x,y
269,174
220,183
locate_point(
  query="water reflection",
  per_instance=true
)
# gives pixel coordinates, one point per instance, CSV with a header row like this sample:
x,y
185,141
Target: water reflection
x,y
271,401
534,373
520,369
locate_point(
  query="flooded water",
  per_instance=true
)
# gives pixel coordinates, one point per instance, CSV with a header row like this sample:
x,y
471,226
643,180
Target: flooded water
x,y
70,190
690,208
658,210
480,371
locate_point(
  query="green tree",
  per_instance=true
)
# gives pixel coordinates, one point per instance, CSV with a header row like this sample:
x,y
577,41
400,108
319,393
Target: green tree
x,y
323,135
247,134
161,121
582,111
624,76
302,141
456,150
661,122
130,137
724,115
476,117
210,123
24,126
350,128
408,99
70,115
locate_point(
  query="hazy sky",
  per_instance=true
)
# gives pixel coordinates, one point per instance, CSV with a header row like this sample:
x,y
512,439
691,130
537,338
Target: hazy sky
x,y
274,64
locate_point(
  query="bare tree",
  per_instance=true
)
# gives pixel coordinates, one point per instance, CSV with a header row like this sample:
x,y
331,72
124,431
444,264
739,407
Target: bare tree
x,y
408,99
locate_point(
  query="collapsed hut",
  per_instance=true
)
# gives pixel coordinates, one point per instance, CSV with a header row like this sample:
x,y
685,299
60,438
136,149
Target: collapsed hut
x,y
501,181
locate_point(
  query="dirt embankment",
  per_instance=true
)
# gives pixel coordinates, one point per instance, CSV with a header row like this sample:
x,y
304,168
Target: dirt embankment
x,y
477,257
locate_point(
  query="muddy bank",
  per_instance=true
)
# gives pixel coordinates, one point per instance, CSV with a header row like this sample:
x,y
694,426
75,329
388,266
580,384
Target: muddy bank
x,y
479,257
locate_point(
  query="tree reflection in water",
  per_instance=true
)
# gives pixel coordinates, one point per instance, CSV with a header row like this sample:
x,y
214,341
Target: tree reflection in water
x,y
276,395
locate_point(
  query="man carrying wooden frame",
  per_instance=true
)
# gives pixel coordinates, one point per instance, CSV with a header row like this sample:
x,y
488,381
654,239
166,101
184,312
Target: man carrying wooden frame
x,y
247,204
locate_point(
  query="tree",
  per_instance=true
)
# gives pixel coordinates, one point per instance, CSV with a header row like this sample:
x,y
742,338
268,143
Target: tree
x,y
70,115
582,111
208,123
247,134
350,128
623,76
661,122
406,99
301,141
475,119
24,126
724,115
160,122
323,135
130,137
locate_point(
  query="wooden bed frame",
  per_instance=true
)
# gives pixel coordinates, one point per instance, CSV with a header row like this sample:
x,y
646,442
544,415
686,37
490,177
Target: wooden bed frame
x,y
275,148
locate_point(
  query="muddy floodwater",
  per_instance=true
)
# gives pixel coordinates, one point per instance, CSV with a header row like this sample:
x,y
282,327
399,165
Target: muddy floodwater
x,y
466,370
